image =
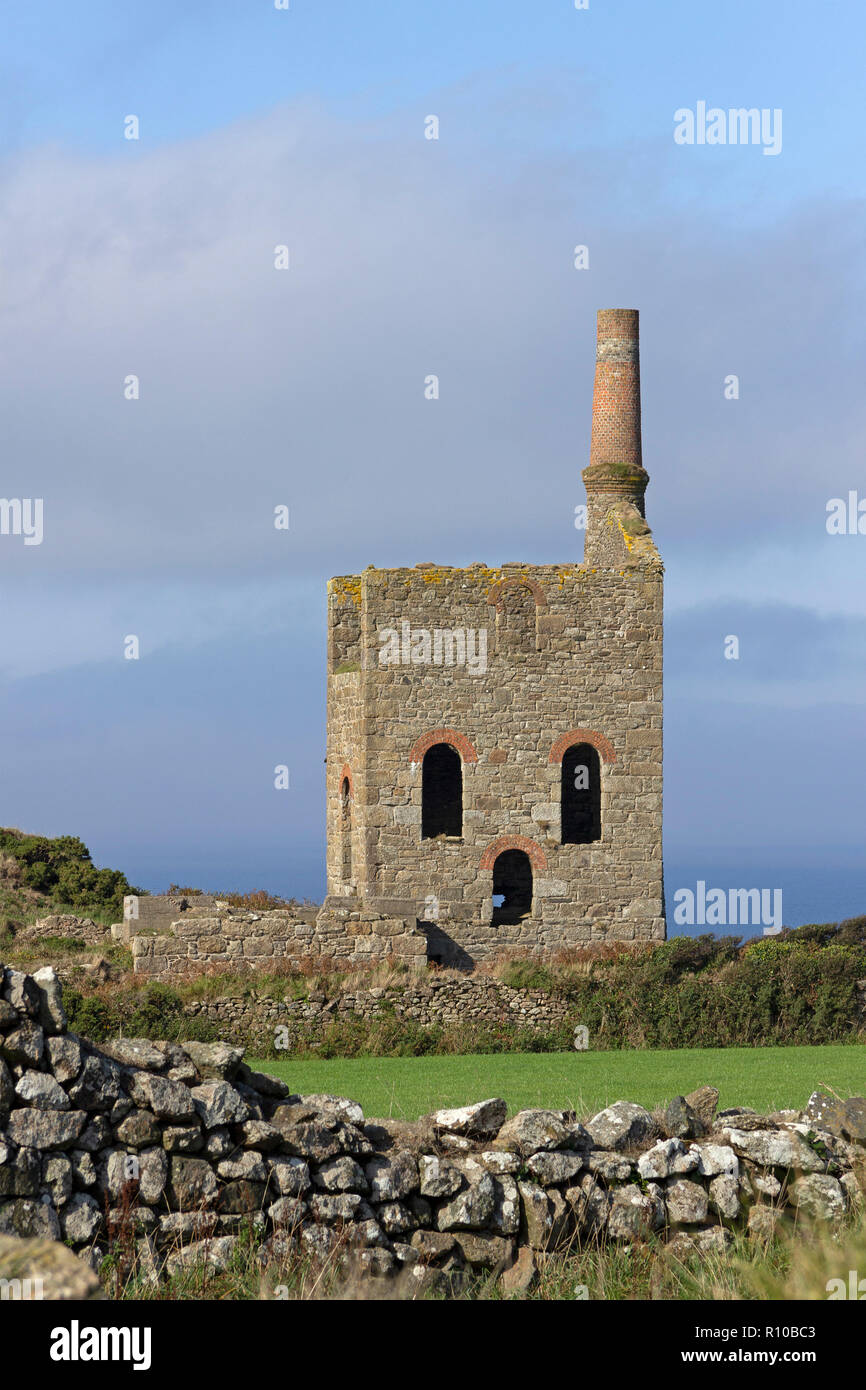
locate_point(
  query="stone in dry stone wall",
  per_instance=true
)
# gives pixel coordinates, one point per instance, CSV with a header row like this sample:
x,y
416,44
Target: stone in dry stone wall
x,y
36,1269
176,1147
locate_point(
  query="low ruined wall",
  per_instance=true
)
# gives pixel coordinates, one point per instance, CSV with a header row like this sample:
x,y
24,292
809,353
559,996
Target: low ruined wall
x,y
172,1149
157,911
63,924
241,940
165,942
432,1001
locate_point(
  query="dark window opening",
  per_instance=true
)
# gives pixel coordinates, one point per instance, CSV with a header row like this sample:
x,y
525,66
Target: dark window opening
x,y
581,795
512,884
441,792
346,830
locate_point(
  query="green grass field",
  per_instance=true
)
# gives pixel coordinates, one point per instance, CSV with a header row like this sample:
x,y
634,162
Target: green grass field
x,y
767,1078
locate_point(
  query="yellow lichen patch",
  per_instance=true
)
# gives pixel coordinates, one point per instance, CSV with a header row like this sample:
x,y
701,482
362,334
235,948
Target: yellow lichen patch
x,y
346,586
484,576
629,543
634,530
443,572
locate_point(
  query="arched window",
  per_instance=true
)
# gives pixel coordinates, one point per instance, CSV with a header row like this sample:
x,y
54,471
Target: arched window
x,y
581,795
512,887
441,792
346,830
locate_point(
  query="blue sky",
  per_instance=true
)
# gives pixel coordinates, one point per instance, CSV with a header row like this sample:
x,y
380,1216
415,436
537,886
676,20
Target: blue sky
x,y
305,127
188,68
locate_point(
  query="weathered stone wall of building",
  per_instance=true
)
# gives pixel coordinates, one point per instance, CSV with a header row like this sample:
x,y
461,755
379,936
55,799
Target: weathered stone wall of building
x,y
585,654
511,666
347,867
246,941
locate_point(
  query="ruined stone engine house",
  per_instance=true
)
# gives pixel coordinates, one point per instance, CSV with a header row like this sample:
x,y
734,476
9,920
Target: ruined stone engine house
x,y
494,736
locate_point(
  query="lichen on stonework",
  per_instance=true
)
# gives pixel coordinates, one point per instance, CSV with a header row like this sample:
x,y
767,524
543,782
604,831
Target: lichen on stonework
x,y
346,586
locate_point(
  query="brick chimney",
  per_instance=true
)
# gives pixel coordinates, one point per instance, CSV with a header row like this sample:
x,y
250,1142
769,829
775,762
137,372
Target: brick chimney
x,y
615,473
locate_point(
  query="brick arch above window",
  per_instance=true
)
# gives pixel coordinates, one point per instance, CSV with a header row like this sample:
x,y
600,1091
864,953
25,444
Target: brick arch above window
x,y
495,596
346,776
597,741
452,736
536,855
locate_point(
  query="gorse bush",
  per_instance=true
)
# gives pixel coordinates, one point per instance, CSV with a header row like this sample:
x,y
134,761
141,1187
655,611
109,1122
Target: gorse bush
x,y
90,1016
159,1012
155,1012
798,988
62,869
851,932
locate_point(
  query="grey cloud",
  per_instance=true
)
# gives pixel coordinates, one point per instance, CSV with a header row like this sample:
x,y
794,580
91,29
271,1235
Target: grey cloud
x,y
788,654
260,386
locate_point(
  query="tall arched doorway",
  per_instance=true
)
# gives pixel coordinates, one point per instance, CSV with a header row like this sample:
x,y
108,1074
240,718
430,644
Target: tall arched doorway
x,y
441,792
580,807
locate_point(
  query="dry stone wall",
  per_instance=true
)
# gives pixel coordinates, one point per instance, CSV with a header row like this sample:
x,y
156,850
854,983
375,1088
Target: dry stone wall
x,y
435,1001
62,924
176,1148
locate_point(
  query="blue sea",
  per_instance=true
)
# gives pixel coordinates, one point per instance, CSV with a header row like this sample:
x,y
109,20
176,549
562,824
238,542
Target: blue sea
x,y
813,889
811,892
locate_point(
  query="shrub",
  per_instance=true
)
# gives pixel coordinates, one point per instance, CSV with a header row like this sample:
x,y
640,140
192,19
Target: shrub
x,y
90,1016
773,991
158,1013
62,869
